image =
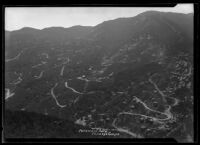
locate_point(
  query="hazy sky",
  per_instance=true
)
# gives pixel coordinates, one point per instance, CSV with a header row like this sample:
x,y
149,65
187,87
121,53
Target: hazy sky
x,y
42,17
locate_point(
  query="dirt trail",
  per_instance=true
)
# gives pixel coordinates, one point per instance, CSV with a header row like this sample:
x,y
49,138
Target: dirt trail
x,y
55,97
167,113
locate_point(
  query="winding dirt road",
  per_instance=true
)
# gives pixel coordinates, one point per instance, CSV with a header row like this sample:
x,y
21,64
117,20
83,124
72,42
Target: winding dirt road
x,y
16,57
55,97
66,85
167,113
40,75
8,94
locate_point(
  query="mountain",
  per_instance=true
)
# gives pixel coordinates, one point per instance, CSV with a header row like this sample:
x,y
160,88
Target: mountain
x,y
132,75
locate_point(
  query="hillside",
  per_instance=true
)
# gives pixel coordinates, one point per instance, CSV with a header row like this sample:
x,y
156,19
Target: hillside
x,y
133,75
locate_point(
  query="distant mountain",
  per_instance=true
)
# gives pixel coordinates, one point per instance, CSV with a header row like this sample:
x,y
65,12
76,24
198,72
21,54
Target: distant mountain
x,y
169,28
176,26
133,75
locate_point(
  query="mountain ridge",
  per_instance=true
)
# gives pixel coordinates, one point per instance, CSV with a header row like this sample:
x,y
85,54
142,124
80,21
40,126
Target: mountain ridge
x,y
146,12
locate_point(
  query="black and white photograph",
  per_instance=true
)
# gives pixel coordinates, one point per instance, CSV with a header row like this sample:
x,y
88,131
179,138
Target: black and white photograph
x,y
99,72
